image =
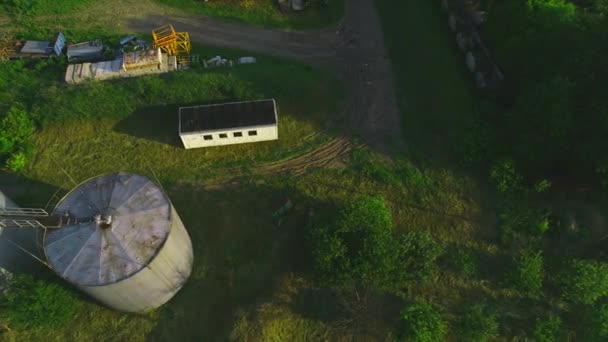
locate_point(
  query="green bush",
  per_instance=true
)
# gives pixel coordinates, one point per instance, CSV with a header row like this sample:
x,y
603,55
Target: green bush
x,y
528,274
505,177
422,322
584,281
417,254
357,247
463,261
548,329
17,128
32,303
17,161
595,326
361,248
478,324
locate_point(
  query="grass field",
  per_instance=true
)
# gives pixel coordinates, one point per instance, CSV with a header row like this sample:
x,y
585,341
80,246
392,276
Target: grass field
x,y
251,279
101,16
266,12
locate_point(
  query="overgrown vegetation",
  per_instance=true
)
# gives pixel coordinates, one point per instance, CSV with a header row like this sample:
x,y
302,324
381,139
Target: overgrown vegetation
x,y
535,142
422,322
548,329
361,249
17,128
584,281
527,275
478,324
37,303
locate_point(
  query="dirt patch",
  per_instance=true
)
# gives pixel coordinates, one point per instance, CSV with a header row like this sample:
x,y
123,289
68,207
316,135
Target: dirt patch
x,y
355,50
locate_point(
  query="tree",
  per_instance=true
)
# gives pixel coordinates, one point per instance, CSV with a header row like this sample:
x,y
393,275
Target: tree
x,y
355,248
528,274
548,329
478,324
360,248
584,281
422,322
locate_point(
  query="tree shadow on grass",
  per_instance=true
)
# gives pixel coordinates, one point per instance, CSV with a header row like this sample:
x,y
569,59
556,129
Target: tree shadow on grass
x,y
155,123
239,253
28,193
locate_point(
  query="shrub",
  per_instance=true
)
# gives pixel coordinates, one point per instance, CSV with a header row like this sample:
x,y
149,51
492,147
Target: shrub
x,y
416,255
478,324
462,261
584,281
355,248
505,177
596,324
528,274
37,303
17,128
547,329
361,248
17,161
422,322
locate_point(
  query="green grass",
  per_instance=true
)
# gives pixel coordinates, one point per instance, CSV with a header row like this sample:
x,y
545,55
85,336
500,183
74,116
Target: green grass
x,y
265,12
433,89
42,7
137,118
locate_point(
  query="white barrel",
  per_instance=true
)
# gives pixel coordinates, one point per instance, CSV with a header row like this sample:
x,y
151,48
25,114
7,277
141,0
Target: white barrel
x,y
470,61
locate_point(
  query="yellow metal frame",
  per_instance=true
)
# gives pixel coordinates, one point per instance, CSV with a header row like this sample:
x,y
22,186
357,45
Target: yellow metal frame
x,y
171,42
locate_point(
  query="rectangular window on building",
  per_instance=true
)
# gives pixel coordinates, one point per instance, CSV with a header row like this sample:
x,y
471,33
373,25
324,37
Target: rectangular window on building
x,y
223,135
207,137
252,133
238,134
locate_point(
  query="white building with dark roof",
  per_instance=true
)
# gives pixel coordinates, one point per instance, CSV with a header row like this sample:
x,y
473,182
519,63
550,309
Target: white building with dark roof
x,y
228,123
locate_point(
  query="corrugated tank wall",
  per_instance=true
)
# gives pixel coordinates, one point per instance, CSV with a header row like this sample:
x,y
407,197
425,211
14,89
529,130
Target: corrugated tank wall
x,y
156,283
124,243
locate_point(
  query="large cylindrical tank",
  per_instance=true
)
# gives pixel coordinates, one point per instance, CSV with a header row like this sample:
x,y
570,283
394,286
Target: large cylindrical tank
x,y
129,249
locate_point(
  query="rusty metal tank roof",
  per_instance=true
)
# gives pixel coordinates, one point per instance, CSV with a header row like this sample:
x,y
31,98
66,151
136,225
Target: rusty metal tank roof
x,y
124,219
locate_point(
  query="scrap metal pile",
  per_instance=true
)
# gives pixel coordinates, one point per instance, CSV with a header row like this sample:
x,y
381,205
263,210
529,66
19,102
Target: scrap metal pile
x,y
169,50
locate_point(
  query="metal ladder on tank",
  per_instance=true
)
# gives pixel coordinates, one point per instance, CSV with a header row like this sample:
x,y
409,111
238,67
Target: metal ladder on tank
x,y
22,217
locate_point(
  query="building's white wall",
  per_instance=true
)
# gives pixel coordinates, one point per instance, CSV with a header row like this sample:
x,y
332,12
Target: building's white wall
x,y
195,140
155,284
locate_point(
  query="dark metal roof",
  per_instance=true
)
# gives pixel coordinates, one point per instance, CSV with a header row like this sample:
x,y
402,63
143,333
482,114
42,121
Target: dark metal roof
x,y
227,115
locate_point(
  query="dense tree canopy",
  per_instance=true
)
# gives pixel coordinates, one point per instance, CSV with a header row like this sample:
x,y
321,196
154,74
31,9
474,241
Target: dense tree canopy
x,y
554,106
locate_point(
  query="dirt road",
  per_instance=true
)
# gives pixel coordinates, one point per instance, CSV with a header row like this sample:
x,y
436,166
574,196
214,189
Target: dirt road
x,y
355,50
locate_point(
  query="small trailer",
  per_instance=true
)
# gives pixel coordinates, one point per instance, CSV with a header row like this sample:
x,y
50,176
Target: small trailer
x,y
228,123
38,49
